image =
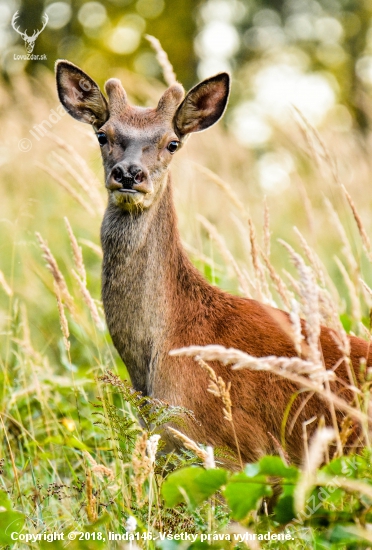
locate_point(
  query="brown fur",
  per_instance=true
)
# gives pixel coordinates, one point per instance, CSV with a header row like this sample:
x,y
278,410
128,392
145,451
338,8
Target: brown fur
x,y
155,300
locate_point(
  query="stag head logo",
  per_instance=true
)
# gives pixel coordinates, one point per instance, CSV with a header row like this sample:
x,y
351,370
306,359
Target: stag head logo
x,y
29,40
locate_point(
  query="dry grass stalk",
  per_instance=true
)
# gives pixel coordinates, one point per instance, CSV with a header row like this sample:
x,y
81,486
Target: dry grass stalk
x,y
363,330
67,187
347,429
77,252
57,275
131,524
163,60
242,231
226,254
141,467
295,369
14,467
366,296
200,256
4,285
248,279
93,246
318,445
209,462
368,290
317,146
255,261
281,451
310,304
354,299
306,204
85,185
87,173
192,446
91,507
262,287
99,470
295,319
222,184
152,447
70,170
62,317
366,287
346,250
279,284
218,387
365,239
26,334
266,230
313,459
312,257
89,301
330,313
293,282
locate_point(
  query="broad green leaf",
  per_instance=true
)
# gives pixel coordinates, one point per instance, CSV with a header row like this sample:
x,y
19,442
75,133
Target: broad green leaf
x,y
243,493
5,503
342,535
284,508
352,466
274,466
10,520
251,470
192,485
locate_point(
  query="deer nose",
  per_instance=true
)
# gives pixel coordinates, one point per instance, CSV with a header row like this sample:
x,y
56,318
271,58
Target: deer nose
x,y
137,173
132,177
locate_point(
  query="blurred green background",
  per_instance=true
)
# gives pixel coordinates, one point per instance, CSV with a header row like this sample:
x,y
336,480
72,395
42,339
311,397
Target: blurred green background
x,y
271,44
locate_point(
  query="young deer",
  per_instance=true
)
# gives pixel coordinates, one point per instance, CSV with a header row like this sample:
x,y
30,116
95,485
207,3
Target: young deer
x,y
155,300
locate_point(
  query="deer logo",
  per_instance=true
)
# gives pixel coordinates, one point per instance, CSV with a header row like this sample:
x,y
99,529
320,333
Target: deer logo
x,y
29,40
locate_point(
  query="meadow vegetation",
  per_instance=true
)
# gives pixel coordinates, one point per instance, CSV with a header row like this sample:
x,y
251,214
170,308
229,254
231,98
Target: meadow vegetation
x,y
79,448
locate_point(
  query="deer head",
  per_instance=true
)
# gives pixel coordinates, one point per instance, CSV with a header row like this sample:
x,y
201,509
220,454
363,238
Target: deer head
x,y
29,40
137,143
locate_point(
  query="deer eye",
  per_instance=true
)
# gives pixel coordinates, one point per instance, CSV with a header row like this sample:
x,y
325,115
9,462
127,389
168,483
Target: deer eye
x,y
173,146
102,138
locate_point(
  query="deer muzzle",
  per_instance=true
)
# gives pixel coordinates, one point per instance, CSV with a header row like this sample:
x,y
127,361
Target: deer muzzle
x,y
129,179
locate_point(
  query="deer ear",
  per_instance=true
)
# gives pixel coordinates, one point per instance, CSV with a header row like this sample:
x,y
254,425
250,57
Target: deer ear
x,y
80,95
203,105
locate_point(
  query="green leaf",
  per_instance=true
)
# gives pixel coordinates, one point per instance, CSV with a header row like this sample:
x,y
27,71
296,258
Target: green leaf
x,y
243,494
274,466
352,466
251,470
192,485
341,534
5,502
284,508
10,520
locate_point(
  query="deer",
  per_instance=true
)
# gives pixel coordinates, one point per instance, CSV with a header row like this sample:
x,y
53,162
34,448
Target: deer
x,y
156,301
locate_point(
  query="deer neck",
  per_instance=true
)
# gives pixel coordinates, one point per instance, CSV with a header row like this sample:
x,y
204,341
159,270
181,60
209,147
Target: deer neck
x,y
141,258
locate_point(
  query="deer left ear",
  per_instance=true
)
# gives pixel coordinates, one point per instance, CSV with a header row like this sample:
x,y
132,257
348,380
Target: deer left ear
x,y
80,95
204,105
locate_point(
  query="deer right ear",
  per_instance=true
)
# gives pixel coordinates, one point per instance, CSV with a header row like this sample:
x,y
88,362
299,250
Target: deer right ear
x,y
80,95
203,106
